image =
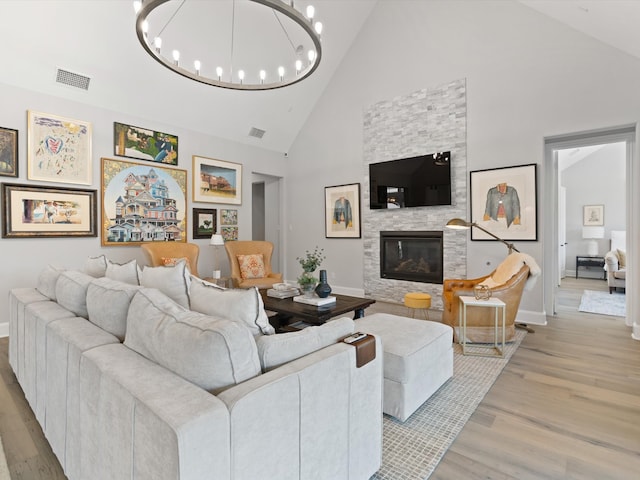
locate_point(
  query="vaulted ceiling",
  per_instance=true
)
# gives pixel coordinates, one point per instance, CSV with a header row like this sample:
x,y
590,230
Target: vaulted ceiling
x,y
97,38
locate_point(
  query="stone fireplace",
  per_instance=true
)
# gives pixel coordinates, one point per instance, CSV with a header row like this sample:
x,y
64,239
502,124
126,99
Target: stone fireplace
x,y
415,256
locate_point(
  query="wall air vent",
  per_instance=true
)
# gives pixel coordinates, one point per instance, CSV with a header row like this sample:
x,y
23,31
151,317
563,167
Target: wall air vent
x,y
72,79
256,132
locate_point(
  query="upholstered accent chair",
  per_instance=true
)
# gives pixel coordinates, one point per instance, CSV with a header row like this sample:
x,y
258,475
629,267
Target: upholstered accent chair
x,y
506,282
250,262
166,253
616,261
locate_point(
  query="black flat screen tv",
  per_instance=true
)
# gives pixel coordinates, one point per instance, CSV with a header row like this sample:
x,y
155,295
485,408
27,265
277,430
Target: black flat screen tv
x,y
411,182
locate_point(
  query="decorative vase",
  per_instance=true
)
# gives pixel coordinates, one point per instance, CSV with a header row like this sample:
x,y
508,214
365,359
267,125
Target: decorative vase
x,y
308,290
323,289
307,284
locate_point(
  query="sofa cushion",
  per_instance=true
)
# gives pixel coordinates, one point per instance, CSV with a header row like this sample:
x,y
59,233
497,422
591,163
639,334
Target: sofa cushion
x,y
95,266
620,274
123,272
214,354
622,258
251,266
173,281
275,350
47,281
71,291
237,305
108,303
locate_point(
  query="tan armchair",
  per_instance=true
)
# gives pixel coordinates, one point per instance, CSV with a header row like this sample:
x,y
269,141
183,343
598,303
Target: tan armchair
x,y
155,252
480,321
250,247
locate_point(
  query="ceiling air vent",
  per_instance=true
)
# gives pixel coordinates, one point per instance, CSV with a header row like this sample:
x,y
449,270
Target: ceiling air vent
x,y
72,79
256,132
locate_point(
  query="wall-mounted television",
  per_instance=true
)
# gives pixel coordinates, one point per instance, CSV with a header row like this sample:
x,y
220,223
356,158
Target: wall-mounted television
x,y
419,181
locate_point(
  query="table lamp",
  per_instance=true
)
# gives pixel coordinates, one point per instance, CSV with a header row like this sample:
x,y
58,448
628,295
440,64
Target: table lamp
x,y
591,233
216,241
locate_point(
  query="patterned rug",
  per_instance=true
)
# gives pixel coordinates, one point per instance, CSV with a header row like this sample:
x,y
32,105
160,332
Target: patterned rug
x,y
603,303
412,450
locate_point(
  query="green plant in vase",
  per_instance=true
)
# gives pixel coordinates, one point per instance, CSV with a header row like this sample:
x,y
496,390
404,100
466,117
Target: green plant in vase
x,y
309,263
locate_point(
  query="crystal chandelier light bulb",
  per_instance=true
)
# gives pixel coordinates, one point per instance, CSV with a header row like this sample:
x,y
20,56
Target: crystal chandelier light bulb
x,y
176,56
310,12
145,27
263,75
311,55
157,42
318,27
197,66
137,5
281,72
219,72
241,75
298,66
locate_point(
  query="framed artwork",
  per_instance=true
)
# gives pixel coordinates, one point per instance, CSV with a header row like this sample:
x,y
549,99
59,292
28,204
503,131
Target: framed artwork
x,y
142,203
228,217
505,202
204,222
229,233
37,211
342,211
593,215
58,149
144,144
8,152
216,181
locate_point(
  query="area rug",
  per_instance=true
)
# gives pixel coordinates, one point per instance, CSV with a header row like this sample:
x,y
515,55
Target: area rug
x,y
412,450
4,468
603,303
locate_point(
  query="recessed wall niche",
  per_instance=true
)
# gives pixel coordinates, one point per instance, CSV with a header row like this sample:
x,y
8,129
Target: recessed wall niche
x,y
425,121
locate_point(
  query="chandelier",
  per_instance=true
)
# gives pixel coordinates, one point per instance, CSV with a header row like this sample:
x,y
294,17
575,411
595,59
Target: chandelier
x,y
187,37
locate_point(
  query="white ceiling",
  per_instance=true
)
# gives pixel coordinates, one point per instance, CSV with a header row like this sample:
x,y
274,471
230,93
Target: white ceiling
x,y
97,38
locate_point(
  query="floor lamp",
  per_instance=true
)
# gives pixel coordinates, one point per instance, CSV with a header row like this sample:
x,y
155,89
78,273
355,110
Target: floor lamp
x,y
216,241
460,224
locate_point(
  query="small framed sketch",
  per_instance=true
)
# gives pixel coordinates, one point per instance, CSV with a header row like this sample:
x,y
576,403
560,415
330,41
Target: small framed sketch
x,y
228,217
58,149
216,181
204,222
229,233
342,211
593,215
8,152
37,211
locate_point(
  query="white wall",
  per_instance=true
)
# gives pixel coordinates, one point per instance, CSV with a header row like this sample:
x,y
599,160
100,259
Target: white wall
x,y
527,77
23,259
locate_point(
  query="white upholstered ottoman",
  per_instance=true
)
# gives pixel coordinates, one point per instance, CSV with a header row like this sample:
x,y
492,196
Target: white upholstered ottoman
x,y
418,359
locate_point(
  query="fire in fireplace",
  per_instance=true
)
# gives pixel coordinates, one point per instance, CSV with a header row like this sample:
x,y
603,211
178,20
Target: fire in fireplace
x,y
412,256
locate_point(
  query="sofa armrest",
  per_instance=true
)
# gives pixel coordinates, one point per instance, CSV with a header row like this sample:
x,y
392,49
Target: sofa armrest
x,y
314,409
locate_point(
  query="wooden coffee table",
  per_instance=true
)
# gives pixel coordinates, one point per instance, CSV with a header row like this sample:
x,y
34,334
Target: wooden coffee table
x,y
289,311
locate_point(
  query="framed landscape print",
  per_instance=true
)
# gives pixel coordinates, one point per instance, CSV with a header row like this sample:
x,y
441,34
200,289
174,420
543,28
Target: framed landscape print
x,y
142,203
216,181
505,202
204,222
36,211
58,149
144,144
342,211
593,215
8,152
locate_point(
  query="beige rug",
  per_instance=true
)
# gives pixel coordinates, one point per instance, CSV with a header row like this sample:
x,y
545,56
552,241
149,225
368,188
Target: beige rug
x,y
412,450
4,468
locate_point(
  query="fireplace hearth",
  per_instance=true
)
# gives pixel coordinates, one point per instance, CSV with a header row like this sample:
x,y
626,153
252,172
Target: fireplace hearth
x,y
415,256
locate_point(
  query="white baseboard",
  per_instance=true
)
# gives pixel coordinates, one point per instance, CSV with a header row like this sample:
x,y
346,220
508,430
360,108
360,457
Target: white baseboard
x,y
4,330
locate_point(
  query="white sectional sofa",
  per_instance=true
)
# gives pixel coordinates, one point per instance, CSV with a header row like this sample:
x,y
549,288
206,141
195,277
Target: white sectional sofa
x,y
127,383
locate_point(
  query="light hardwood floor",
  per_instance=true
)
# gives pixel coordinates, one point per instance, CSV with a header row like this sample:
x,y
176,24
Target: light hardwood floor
x,y
567,406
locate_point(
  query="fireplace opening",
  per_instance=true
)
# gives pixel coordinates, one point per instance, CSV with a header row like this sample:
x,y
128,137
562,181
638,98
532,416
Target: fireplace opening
x,y
412,256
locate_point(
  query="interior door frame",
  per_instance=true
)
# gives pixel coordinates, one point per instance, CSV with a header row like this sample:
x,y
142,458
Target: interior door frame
x,y
624,133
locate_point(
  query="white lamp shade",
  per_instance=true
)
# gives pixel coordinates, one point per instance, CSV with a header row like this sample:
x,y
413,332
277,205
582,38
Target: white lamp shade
x,y
216,239
592,232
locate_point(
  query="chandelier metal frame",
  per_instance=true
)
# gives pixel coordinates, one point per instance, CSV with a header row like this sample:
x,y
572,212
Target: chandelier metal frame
x,y
149,6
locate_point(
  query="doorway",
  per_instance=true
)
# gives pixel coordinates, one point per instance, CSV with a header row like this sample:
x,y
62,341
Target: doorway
x,y
266,212
564,236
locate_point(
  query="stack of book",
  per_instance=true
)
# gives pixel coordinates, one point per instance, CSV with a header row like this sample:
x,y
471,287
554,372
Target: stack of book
x,y
283,293
316,301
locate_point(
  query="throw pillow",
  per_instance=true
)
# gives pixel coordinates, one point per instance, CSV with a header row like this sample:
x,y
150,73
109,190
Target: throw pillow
x,y
95,266
622,258
251,266
237,305
125,272
47,281
108,303
71,291
213,354
172,281
171,261
275,350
